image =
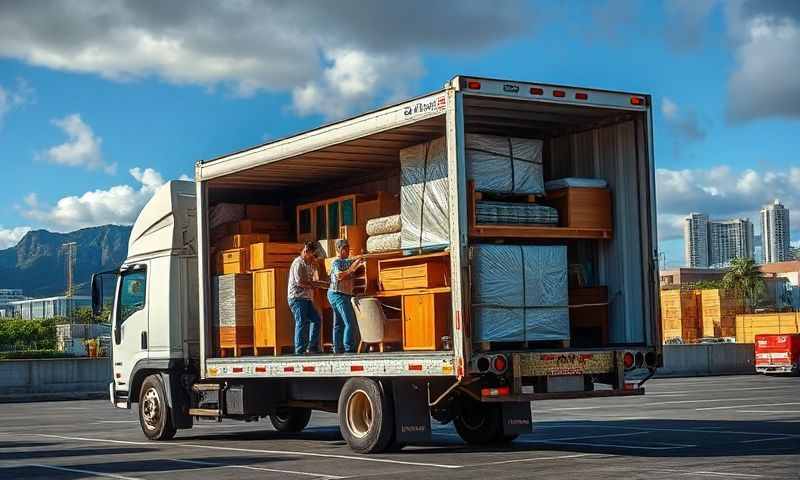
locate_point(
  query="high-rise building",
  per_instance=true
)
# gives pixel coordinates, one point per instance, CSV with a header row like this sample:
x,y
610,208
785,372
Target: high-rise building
x,y
775,232
695,240
712,243
729,239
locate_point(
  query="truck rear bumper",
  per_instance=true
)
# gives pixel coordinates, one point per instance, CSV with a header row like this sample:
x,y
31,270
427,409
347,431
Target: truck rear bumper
x,y
776,368
530,397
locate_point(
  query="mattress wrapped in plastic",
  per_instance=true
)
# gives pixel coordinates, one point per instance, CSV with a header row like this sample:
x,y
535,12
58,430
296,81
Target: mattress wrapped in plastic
x,y
520,293
508,213
505,164
383,225
232,298
424,195
575,182
383,243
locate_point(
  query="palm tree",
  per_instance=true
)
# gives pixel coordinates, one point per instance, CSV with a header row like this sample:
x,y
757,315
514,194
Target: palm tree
x,y
745,280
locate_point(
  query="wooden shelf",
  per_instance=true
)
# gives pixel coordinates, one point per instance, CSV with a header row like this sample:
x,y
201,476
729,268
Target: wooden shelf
x,y
412,291
525,231
529,231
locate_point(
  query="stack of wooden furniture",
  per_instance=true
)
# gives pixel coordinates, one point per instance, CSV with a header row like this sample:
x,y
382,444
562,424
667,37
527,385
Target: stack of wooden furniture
x,y
719,310
680,315
232,314
422,283
273,324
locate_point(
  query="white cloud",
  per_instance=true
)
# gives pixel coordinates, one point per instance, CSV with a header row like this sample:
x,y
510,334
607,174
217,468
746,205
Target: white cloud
x,y
11,236
685,22
669,108
249,46
119,204
82,148
766,81
722,193
351,79
13,98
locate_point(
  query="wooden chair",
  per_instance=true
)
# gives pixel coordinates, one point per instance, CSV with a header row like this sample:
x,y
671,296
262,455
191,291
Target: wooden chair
x,y
373,325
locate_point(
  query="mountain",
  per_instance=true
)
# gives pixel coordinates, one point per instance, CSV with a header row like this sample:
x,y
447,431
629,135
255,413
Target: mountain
x,y
37,263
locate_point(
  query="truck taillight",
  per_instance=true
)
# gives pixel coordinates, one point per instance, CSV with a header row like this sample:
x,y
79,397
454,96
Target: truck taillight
x,y
559,93
581,96
500,363
537,91
474,85
495,392
637,101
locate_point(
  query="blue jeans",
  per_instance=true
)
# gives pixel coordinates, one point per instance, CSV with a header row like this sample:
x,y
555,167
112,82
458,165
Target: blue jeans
x,y
344,322
306,325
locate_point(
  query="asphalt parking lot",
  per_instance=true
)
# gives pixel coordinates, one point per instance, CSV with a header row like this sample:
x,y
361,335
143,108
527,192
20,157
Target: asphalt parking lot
x,y
738,427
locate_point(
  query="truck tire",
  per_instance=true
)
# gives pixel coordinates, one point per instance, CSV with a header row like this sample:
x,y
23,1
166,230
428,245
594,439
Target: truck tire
x,y
366,416
155,417
480,423
290,419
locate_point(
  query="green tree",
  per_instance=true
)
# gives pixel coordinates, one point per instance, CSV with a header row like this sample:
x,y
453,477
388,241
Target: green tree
x,y
707,284
745,280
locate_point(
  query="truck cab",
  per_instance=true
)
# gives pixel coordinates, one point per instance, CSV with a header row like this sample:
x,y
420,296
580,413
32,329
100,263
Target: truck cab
x,y
154,314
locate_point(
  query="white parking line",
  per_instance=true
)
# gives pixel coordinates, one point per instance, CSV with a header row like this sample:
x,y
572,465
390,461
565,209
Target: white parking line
x,y
626,447
73,470
262,469
708,473
246,450
768,411
683,430
539,459
775,439
653,404
730,407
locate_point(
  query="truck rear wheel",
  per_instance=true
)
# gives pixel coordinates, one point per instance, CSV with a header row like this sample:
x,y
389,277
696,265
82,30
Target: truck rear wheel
x,y
480,423
366,416
155,416
290,419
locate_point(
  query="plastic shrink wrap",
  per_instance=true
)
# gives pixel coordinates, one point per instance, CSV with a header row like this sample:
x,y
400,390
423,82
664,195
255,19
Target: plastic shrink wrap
x,y
383,243
507,165
383,225
424,195
520,293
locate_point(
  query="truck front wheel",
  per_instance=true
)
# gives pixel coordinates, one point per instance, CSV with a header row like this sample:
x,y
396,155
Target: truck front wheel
x,y
154,413
480,423
366,416
290,419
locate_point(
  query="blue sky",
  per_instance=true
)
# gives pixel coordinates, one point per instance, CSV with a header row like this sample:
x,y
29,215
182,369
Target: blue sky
x,y
94,115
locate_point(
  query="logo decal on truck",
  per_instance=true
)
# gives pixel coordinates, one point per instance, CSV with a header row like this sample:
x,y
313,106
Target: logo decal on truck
x,y
426,106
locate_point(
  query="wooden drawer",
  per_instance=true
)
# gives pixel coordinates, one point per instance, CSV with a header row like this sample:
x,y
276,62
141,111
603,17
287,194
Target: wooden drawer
x,y
407,273
264,327
232,261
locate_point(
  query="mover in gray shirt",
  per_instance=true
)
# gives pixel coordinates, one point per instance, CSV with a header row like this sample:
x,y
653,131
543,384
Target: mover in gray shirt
x,y
307,323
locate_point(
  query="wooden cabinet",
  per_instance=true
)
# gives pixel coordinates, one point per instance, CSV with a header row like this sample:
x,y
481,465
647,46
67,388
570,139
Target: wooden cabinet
x,y
421,271
273,324
232,313
426,319
582,207
272,254
588,316
322,220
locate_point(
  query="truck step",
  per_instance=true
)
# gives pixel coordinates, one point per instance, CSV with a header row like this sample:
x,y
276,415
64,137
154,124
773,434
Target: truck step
x,y
199,387
205,412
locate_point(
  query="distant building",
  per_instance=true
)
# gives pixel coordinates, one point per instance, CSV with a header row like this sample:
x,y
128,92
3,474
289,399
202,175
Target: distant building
x,y
713,243
790,271
686,276
729,239
695,237
48,307
775,233
8,295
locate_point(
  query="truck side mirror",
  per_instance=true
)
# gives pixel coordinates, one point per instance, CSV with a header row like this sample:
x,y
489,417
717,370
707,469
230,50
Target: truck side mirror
x,y
97,294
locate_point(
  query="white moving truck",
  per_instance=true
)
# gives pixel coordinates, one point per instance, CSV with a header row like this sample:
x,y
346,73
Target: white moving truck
x,y
164,358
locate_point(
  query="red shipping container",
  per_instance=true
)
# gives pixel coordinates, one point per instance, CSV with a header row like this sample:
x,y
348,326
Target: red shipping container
x,y
776,353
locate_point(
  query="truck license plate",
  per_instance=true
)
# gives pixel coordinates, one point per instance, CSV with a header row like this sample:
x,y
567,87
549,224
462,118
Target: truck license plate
x,y
566,363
